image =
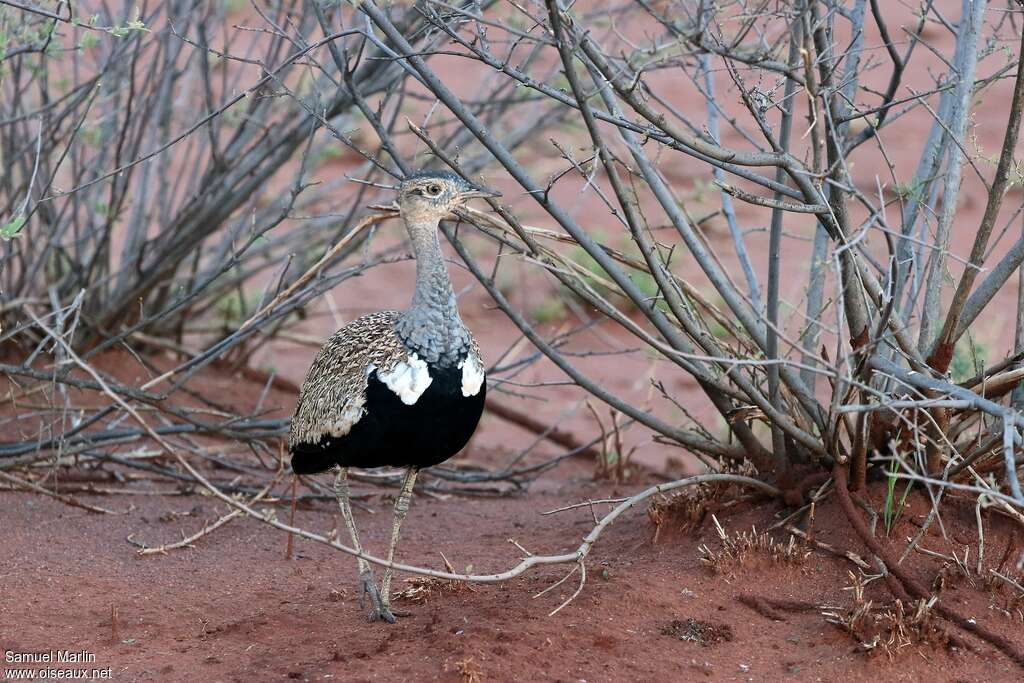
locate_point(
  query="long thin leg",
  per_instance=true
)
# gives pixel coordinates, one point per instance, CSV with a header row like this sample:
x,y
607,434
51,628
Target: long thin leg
x,y
401,510
380,610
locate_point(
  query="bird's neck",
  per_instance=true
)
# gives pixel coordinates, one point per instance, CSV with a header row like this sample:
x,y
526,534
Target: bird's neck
x,y
432,327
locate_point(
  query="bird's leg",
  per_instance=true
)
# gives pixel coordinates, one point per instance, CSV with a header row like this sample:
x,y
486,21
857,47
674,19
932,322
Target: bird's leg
x,y
369,586
401,510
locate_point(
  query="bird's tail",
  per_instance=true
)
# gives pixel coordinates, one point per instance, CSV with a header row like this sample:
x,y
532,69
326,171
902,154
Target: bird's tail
x,y
311,459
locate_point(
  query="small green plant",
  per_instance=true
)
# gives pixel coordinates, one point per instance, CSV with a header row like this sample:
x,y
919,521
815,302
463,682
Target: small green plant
x,y
702,192
893,509
643,280
234,308
58,266
968,359
89,40
716,329
37,36
552,309
903,190
237,5
647,284
90,135
117,30
327,153
580,257
10,229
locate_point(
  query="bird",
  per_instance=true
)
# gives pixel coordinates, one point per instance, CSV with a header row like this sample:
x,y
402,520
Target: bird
x,y
396,388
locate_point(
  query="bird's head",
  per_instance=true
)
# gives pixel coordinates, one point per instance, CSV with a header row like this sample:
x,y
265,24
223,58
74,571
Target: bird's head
x,y
429,196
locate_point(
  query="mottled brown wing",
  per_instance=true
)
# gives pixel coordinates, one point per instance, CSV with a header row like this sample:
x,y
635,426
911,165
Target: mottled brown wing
x,y
333,395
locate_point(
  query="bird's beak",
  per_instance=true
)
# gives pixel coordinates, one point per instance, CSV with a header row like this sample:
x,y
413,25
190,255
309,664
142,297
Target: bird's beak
x,y
477,192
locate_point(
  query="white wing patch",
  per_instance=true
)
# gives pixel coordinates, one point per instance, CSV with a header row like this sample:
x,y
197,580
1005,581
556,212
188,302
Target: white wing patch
x,y
472,375
409,379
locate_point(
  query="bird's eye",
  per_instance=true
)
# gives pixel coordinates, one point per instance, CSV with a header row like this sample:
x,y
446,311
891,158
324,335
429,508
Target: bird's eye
x,y
434,190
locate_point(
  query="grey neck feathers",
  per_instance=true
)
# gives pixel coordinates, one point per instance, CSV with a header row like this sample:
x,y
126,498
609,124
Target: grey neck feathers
x,y
431,327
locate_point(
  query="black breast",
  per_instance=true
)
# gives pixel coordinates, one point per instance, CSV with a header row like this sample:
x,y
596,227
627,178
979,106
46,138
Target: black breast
x,y
390,433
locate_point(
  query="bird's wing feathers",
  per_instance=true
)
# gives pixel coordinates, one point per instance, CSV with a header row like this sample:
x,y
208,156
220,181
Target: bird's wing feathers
x,y
333,396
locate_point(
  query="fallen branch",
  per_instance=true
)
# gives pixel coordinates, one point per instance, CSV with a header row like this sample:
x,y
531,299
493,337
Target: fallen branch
x,y
576,556
67,500
207,529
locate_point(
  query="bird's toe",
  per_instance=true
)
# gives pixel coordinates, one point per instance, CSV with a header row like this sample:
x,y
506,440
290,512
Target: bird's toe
x,y
400,612
382,613
379,610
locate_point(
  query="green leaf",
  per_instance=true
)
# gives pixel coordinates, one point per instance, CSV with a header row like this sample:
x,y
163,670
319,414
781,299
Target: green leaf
x,y
10,230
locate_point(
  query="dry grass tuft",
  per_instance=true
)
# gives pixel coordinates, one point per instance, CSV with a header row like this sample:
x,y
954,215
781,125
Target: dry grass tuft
x,y
1008,589
743,548
419,588
888,628
687,509
469,670
683,512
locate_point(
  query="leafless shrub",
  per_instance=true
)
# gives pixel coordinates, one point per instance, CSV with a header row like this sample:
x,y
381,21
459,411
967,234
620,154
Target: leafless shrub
x,y
161,218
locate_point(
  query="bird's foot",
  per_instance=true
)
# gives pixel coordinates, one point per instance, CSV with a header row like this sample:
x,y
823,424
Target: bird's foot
x,y
380,610
381,613
385,613
398,612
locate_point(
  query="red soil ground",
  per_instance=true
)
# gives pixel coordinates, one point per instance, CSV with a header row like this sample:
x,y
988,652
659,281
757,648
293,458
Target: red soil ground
x,y
233,608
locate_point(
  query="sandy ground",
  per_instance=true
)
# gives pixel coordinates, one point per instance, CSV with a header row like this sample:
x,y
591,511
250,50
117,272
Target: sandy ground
x,y
233,608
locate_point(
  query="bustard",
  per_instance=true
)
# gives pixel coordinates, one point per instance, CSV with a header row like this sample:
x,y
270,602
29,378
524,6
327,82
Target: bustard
x,y
400,389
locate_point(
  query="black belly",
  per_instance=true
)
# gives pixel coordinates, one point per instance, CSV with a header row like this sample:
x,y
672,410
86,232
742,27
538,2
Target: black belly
x,y
391,433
